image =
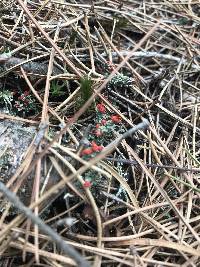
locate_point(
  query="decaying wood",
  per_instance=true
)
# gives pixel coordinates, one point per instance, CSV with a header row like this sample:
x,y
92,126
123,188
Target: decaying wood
x,y
10,63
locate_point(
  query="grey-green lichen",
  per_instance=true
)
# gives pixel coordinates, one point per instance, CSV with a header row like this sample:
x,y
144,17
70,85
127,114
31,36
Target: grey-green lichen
x,y
120,82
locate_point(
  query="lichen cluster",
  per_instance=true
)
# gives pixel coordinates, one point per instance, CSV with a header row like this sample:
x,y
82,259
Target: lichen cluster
x,y
120,82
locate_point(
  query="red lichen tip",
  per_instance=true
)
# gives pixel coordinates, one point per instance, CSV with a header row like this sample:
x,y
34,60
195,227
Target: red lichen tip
x,y
103,122
87,184
98,133
87,151
98,125
26,93
101,108
95,147
116,118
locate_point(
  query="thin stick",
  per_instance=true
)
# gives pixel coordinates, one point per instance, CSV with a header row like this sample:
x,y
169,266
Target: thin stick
x,y
44,228
133,162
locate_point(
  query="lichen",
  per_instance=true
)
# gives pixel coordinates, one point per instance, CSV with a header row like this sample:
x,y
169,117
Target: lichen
x,y
119,82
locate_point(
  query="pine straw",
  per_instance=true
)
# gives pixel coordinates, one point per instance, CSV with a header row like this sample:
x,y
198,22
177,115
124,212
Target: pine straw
x,y
155,219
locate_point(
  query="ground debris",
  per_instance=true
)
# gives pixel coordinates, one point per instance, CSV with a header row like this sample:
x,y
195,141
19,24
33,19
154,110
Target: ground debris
x,y
15,138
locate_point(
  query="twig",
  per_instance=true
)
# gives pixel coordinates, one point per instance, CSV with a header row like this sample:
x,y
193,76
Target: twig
x,y
148,54
183,182
44,228
38,68
141,126
133,162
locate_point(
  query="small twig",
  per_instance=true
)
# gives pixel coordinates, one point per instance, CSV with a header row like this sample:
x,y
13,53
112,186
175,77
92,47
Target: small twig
x,y
183,182
133,162
70,251
147,54
42,129
117,199
141,126
130,102
8,64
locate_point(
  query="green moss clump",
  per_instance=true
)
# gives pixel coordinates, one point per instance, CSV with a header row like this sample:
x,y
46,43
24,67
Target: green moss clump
x,y
85,92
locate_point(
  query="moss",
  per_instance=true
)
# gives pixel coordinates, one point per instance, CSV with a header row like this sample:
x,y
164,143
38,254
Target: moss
x,y
85,92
